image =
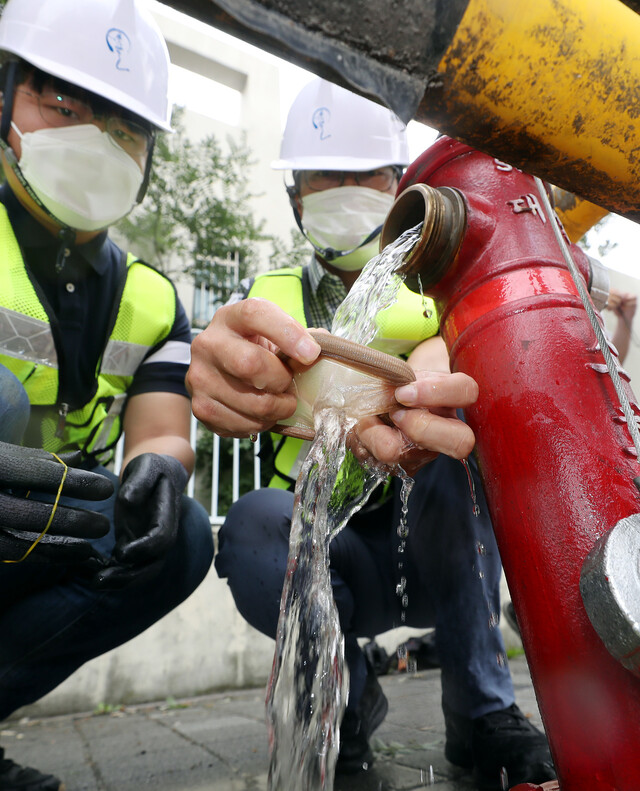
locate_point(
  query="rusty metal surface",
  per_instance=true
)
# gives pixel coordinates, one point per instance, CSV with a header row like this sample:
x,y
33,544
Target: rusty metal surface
x,y
383,51
551,98
576,214
532,154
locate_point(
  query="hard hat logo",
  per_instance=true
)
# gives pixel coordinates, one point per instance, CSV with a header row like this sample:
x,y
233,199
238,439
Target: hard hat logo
x,y
331,128
120,44
320,120
114,49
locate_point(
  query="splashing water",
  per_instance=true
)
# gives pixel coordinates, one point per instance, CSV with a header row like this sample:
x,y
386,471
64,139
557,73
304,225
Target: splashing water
x,y
308,687
375,290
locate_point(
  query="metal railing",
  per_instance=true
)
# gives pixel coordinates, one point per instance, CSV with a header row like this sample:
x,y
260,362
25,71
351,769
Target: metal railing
x,y
215,516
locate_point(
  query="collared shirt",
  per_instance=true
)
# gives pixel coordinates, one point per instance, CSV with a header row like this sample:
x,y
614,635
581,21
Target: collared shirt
x,y
326,293
82,297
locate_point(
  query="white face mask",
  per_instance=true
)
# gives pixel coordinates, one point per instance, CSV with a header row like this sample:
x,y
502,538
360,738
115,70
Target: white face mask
x,y
342,218
80,175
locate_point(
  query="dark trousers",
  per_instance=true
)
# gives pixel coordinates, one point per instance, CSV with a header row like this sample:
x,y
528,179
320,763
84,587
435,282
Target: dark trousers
x,y
51,619
451,564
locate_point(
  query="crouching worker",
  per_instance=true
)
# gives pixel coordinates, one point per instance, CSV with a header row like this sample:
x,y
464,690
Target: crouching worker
x,y
346,155
99,343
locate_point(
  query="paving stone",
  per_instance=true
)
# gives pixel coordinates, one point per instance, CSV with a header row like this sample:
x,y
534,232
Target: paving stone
x,y
219,743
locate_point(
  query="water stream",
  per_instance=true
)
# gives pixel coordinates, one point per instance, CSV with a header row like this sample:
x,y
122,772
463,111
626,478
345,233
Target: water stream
x,y
308,687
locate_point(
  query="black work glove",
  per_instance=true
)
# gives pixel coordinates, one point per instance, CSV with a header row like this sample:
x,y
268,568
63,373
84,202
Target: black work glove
x,y
146,519
22,519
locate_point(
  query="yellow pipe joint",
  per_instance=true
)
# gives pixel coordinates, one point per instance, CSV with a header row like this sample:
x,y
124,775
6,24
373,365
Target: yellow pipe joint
x,y
556,85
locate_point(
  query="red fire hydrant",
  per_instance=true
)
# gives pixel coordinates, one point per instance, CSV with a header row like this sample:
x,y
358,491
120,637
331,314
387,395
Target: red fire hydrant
x,y
555,453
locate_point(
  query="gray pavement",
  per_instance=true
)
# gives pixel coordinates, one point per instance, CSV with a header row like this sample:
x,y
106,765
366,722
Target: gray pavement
x,y
219,742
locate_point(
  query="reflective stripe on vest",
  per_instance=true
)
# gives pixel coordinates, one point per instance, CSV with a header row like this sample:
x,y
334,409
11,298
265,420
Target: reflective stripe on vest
x,y
146,314
401,327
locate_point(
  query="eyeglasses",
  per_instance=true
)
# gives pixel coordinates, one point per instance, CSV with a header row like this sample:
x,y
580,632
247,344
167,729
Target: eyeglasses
x,y
58,110
379,179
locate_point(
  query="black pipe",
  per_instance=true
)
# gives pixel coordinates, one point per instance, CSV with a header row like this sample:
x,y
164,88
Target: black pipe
x,y
383,51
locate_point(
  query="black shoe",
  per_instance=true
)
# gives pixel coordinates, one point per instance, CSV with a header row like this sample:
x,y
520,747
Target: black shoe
x,y
22,778
502,739
357,726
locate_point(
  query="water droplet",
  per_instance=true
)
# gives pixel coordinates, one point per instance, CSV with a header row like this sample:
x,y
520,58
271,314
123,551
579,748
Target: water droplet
x,y
482,550
472,487
504,779
403,532
481,574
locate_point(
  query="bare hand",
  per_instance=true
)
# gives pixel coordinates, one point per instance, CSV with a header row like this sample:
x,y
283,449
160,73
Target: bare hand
x,y
237,382
622,303
428,428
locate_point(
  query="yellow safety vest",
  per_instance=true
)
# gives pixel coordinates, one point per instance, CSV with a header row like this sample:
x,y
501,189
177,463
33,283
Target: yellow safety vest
x,y
401,327
145,316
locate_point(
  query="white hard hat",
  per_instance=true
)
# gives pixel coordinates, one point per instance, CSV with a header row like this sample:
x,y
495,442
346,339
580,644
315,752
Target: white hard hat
x,y
112,48
330,128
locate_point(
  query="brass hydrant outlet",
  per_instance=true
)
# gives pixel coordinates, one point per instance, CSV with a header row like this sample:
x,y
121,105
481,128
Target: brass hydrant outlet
x,y
442,213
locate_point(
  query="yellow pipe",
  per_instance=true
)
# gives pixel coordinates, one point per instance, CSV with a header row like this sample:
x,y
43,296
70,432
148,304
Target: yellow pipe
x,y
576,214
552,86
